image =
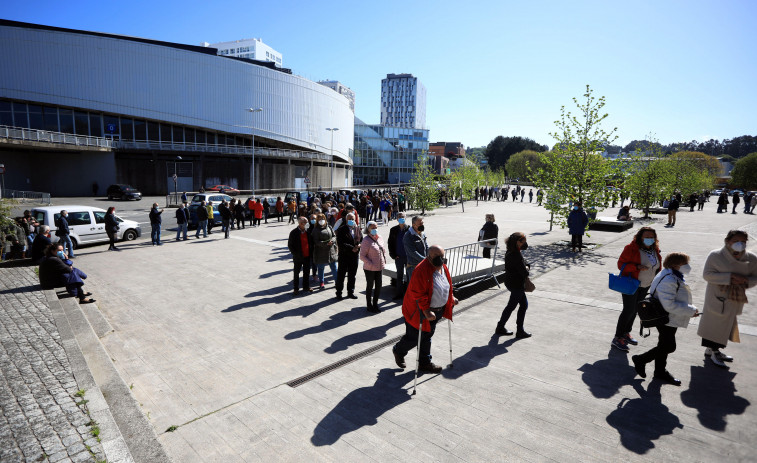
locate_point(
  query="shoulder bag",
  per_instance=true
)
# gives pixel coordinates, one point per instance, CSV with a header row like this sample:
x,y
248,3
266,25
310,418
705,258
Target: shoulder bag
x,y
651,312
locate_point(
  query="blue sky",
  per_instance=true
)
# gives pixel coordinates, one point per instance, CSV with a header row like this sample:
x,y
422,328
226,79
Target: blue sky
x,y
681,70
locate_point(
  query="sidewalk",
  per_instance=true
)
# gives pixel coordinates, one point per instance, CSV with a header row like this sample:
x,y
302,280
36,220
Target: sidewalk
x,y
207,333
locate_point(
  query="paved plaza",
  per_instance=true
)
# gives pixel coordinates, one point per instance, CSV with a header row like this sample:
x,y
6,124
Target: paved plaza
x,y
208,338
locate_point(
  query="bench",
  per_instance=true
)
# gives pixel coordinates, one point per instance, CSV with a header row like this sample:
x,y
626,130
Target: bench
x,y
610,224
658,210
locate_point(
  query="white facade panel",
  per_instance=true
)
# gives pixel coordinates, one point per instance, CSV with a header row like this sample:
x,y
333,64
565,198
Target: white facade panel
x,y
169,84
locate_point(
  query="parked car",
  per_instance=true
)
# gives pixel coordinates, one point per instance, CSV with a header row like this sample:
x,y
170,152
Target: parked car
x,y
87,224
193,214
298,196
215,197
123,191
224,189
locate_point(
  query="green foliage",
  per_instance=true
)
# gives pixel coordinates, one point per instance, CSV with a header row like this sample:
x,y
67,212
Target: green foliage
x,y
468,177
575,171
522,165
499,150
172,428
703,162
744,172
423,191
646,175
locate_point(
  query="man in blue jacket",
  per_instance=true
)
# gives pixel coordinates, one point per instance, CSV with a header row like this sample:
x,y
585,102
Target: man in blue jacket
x,y
182,220
155,222
416,247
64,233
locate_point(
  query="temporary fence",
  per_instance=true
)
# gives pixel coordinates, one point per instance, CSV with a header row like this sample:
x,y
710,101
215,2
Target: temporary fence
x,y
466,262
26,196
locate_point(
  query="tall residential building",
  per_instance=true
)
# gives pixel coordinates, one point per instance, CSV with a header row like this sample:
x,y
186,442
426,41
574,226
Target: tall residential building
x,y
403,102
247,48
339,88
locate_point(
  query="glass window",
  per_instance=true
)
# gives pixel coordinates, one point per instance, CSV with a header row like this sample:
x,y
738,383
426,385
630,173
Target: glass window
x,y
189,135
99,217
66,120
178,134
111,125
95,125
140,130
35,116
127,128
81,123
6,113
200,137
50,118
79,218
165,133
20,118
152,131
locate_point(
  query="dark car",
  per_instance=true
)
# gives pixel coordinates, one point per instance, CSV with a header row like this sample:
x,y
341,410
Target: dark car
x,y
224,189
193,215
123,191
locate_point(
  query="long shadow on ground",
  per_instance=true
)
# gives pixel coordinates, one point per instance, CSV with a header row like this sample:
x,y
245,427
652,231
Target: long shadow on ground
x,y
363,407
375,333
713,394
334,321
643,420
477,358
606,377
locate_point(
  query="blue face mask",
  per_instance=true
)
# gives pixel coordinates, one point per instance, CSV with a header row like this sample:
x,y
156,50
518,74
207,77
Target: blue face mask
x,y
649,242
374,231
312,222
575,208
62,255
401,220
351,223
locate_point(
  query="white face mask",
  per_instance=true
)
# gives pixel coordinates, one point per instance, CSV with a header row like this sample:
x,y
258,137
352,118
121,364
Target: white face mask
x,y
738,246
321,222
685,269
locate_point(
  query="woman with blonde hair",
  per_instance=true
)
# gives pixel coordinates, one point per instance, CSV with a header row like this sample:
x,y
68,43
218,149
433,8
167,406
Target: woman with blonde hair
x,y
489,232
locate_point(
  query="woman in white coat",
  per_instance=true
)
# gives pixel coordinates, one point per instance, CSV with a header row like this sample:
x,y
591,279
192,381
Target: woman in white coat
x,y
673,293
728,272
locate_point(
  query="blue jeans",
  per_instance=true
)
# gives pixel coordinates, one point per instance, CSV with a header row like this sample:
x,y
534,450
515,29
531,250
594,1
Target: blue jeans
x,y
68,245
202,225
322,267
155,233
408,272
182,228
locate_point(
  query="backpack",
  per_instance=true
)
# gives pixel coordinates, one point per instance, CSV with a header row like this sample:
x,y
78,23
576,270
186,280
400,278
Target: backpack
x,y
651,312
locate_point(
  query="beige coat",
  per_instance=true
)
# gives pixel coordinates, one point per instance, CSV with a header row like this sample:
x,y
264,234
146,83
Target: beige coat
x,y
718,313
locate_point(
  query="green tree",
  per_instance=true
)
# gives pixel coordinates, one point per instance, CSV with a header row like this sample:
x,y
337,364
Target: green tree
x,y
575,171
522,164
744,172
645,177
701,161
468,176
499,150
423,192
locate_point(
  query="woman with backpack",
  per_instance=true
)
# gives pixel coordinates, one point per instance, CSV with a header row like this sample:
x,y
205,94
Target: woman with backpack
x,y
670,288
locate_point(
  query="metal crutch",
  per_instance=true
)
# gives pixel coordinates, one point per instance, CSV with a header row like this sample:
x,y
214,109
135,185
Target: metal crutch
x,y
418,353
449,325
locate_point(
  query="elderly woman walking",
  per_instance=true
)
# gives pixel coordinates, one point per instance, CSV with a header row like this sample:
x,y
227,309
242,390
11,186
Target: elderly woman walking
x,y
729,271
373,255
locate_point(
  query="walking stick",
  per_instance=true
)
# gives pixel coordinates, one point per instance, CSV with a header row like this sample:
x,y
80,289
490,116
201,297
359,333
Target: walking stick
x,y
449,324
418,355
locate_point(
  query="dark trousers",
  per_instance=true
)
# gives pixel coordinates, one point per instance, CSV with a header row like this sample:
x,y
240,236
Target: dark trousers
x,y
225,226
577,241
410,340
401,282
628,315
303,266
487,253
347,267
372,280
517,297
112,238
211,223
240,222
666,344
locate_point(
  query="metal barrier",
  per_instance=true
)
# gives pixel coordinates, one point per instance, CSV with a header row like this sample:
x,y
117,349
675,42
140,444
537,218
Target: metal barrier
x,y
26,196
226,149
45,136
466,262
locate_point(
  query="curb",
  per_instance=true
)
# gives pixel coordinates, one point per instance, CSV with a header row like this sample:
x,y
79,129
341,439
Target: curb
x,y
126,435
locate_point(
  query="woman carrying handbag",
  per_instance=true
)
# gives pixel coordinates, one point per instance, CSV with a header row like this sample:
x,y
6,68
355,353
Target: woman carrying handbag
x,y
516,280
641,260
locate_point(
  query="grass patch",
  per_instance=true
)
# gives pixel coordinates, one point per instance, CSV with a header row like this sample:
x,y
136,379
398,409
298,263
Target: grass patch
x,y
80,393
172,428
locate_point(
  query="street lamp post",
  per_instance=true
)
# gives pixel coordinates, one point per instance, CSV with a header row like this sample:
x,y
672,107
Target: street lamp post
x,y
332,130
252,166
175,179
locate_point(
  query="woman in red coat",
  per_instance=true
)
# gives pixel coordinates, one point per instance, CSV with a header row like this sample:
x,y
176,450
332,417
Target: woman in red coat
x,y
430,292
642,261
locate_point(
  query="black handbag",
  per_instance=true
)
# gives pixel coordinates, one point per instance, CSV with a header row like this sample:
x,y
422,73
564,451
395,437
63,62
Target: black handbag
x,y
651,313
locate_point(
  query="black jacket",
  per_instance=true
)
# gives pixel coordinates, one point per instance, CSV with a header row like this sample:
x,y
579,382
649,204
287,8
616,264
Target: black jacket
x,y
202,213
111,224
63,226
223,209
393,233
40,243
155,216
182,216
52,273
516,270
491,231
295,245
346,242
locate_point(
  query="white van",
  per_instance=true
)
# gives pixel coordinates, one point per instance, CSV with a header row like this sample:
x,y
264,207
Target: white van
x,y
87,224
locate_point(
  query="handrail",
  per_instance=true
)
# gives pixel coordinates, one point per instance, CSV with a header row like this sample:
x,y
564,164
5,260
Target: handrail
x,y
462,261
227,149
46,136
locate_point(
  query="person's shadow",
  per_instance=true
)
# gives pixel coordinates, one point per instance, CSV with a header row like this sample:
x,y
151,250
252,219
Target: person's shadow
x,y
363,406
643,420
712,392
606,377
478,357
375,333
334,321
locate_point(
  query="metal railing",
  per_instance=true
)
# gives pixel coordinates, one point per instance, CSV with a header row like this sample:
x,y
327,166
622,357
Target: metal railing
x,y
226,149
466,263
45,136
26,196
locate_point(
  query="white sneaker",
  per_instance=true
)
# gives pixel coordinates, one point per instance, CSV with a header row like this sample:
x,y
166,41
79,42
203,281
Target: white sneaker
x,y
716,360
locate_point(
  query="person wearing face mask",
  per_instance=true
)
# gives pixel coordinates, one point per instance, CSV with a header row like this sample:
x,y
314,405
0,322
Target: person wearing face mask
x,y
429,292
397,252
57,270
300,244
64,233
490,233
348,238
728,271
325,251
516,273
416,247
642,261
670,288
373,255
577,221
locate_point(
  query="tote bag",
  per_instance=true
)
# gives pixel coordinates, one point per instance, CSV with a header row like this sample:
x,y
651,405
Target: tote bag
x,y
624,285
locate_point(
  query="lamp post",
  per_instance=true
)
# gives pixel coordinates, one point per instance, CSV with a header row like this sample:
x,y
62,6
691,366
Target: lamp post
x,y
175,179
332,130
252,166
